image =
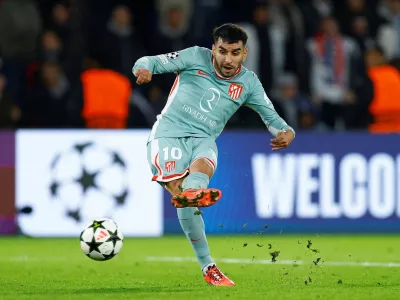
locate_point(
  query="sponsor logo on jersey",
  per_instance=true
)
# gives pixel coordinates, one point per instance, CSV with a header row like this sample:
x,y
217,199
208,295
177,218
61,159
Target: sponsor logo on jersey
x,y
210,100
235,90
170,165
173,55
199,115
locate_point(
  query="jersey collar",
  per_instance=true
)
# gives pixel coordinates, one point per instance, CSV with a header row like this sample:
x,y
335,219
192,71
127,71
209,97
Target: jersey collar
x,y
225,78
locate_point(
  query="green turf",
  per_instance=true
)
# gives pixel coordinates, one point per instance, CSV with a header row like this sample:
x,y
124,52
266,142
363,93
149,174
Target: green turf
x,y
57,269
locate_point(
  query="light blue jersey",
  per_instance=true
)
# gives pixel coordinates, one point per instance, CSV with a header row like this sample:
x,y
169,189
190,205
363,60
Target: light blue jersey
x,y
201,102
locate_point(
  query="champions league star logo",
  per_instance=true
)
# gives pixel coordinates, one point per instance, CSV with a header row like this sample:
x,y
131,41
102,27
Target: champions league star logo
x,y
173,55
89,180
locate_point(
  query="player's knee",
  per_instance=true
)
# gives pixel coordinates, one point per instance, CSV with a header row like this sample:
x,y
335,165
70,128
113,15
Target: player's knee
x,y
202,165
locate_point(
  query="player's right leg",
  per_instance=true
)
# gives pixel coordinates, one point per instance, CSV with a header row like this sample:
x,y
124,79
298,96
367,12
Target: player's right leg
x,y
195,191
170,160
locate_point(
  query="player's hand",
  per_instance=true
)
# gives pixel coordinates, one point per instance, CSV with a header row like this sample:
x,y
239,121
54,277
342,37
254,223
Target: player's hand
x,y
143,76
282,140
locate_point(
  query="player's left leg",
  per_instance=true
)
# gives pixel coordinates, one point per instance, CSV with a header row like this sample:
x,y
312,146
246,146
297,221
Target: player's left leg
x,y
201,170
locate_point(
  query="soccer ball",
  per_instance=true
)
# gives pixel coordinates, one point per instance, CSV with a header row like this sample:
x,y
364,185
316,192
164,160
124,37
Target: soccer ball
x,y
101,239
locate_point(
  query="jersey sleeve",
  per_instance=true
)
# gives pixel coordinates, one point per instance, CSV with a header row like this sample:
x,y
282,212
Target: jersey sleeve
x,y
168,63
259,102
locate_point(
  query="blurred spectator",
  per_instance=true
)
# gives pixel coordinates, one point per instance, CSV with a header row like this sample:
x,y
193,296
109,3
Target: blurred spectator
x,y
46,64
388,35
185,9
106,95
334,61
10,113
120,45
20,26
313,12
396,63
208,16
47,106
60,21
287,16
355,114
266,44
51,48
172,35
354,9
360,32
385,106
143,111
384,9
292,106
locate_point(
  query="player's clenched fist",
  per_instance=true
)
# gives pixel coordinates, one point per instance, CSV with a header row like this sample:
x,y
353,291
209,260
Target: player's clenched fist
x,y
142,75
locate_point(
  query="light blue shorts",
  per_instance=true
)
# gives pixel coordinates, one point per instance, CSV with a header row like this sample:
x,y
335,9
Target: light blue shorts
x,y
170,158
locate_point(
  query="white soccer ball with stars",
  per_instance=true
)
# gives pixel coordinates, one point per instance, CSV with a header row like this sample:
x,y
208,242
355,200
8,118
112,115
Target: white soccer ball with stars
x,y
101,240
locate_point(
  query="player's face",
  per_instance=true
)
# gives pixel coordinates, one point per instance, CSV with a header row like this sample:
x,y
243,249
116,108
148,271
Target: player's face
x,y
228,57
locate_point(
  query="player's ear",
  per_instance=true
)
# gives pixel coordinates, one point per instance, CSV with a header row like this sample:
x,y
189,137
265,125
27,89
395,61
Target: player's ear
x,y
245,53
213,50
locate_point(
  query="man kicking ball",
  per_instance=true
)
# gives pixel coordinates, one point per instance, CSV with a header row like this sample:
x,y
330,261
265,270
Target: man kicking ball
x,y
210,86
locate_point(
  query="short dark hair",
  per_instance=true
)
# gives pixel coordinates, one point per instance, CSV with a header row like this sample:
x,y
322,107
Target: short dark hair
x,y
230,33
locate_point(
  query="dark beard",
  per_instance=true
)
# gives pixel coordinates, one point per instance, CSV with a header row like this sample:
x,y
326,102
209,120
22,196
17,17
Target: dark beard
x,y
219,70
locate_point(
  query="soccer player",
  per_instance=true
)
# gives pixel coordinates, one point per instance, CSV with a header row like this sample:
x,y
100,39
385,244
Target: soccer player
x,y
209,88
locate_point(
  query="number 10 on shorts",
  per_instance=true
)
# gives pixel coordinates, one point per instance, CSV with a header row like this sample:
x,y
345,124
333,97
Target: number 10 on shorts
x,y
175,153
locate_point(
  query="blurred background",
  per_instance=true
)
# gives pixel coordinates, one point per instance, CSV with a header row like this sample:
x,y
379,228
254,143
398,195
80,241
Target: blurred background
x,y
316,59
331,69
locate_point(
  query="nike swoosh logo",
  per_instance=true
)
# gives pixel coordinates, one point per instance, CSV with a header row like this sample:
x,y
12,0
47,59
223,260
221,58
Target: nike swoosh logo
x,y
195,240
202,73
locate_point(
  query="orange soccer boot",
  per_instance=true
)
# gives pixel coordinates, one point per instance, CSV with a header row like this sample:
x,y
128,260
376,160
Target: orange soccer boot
x,y
196,198
214,276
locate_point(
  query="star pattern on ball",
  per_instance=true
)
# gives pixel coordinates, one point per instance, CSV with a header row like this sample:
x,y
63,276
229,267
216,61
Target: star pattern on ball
x,y
109,256
97,224
93,245
87,180
114,238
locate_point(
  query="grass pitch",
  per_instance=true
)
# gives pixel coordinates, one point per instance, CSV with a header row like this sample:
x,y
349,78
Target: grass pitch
x,y
307,267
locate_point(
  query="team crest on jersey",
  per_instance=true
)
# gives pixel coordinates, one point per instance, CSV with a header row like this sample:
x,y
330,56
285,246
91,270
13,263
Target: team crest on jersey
x,y
173,55
235,90
170,165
